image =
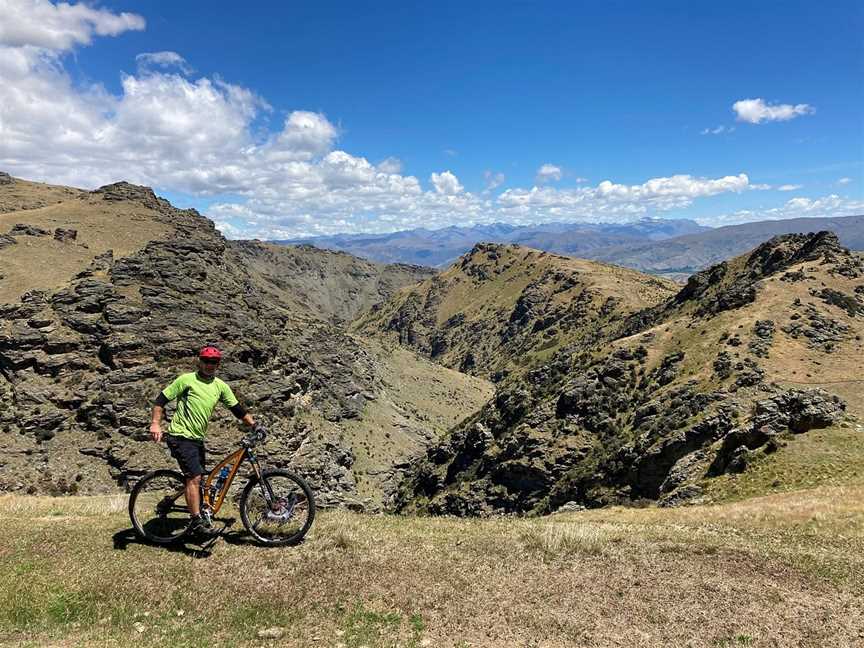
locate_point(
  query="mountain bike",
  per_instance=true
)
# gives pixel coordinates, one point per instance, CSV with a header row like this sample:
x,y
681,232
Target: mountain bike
x,y
277,507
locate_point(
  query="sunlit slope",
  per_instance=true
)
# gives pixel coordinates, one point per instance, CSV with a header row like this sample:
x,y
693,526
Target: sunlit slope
x,y
502,308
705,384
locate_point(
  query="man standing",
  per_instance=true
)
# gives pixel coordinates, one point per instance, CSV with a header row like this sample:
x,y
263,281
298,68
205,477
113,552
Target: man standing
x,y
197,394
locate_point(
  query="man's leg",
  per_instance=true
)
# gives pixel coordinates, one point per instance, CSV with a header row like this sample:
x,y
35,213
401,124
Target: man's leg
x,y
193,495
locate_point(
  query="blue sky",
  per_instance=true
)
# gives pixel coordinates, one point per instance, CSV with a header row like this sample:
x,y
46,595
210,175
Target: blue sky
x,y
303,119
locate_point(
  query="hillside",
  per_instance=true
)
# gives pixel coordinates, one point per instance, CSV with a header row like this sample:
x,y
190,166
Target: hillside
x,y
502,308
96,321
782,571
713,380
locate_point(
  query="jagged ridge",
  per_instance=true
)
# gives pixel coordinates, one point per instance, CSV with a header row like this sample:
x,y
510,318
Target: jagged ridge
x,y
677,398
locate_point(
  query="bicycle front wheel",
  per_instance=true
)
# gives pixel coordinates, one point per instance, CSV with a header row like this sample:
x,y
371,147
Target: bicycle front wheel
x,y
157,507
278,508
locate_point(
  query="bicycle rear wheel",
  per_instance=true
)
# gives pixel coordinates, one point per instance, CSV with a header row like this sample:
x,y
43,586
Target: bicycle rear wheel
x,y
157,507
277,509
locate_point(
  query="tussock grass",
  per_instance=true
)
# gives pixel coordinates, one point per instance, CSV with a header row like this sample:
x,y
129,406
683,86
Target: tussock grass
x,y
568,538
783,570
28,505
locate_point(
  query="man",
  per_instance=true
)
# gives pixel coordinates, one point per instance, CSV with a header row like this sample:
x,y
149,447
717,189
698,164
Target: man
x,y
197,393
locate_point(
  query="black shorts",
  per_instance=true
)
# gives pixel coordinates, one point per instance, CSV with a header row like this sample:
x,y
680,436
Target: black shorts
x,y
189,454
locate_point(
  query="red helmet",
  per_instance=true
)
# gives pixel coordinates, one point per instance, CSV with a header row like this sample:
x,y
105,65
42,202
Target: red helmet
x,y
210,352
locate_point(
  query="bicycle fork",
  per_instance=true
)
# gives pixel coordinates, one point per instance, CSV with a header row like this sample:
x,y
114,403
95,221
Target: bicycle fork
x,y
263,484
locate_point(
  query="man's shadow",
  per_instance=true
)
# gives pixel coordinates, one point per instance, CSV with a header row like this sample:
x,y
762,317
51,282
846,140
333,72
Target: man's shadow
x,y
185,545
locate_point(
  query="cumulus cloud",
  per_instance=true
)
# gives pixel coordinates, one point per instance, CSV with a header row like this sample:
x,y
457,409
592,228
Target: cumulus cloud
x,y
832,205
609,201
548,173
149,60
41,24
756,111
390,165
446,183
844,181
492,180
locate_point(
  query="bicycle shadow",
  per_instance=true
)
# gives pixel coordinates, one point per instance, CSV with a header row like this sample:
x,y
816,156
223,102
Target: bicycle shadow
x,y
187,546
243,538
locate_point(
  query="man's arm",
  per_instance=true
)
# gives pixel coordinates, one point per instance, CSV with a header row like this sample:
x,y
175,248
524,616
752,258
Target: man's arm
x,y
240,412
156,418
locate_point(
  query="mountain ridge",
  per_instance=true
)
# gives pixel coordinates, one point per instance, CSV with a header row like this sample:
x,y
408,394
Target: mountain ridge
x,y
700,385
646,247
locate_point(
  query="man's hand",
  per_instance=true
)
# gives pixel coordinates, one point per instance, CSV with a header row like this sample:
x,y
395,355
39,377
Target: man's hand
x,y
156,432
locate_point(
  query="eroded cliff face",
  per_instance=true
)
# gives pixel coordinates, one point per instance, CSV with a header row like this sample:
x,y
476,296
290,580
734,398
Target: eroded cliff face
x,y
677,393
81,365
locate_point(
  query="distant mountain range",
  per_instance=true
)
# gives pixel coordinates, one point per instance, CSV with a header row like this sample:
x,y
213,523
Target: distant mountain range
x,y
441,247
672,248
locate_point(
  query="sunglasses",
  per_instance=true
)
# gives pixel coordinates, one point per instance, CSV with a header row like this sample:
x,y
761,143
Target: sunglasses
x,y
208,361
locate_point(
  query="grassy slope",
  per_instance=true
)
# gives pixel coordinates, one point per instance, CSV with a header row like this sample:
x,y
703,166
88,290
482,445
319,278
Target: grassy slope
x,y
783,570
40,262
420,400
487,303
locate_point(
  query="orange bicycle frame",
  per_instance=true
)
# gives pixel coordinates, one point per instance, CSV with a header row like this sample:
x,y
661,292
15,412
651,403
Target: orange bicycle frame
x,y
234,460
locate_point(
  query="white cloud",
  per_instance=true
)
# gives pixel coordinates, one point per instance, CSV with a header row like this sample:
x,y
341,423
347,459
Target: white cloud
x,y
149,60
548,173
756,111
41,24
844,181
719,130
390,165
451,152
609,201
492,179
789,187
832,205
446,183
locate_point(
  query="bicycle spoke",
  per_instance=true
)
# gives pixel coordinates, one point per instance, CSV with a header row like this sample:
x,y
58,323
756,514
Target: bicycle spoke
x,y
279,507
155,509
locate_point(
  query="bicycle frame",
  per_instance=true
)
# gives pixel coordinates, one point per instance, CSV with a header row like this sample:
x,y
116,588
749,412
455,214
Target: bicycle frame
x,y
234,460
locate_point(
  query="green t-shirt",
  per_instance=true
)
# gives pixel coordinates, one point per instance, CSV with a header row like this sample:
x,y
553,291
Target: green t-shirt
x,y
197,398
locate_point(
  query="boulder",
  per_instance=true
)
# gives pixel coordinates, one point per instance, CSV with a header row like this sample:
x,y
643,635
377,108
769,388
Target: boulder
x,y
65,235
21,229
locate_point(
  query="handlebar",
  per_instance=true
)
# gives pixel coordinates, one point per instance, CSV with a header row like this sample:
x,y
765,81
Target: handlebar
x,y
256,436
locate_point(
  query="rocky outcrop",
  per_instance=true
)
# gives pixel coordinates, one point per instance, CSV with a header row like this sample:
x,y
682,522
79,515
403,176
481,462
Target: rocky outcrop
x,y
619,424
21,229
63,234
5,178
500,307
80,366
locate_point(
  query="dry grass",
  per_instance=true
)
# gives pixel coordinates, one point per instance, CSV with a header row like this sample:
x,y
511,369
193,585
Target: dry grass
x,y
784,570
40,262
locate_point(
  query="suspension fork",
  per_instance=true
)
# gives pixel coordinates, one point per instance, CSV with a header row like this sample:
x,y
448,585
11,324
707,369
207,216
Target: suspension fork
x,y
266,490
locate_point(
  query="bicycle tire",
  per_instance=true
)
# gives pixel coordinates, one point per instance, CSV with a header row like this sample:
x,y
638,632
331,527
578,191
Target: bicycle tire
x,y
251,527
143,528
